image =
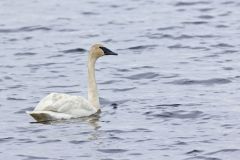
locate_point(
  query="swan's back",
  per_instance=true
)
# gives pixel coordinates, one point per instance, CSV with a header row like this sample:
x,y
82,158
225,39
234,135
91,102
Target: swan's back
x,y
62,106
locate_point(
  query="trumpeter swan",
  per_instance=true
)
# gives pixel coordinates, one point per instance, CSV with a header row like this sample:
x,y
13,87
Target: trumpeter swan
x,y
57,106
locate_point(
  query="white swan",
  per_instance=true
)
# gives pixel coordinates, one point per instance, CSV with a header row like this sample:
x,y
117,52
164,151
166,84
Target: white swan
x,y
57,106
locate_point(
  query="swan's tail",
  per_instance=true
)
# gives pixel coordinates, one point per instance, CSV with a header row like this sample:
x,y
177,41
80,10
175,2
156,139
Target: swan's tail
x,y
42,116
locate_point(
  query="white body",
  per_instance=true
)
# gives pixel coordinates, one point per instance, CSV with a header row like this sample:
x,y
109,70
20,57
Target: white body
x,y
57,106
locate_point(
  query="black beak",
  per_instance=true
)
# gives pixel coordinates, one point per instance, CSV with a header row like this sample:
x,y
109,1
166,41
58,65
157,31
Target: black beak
x,y
108,51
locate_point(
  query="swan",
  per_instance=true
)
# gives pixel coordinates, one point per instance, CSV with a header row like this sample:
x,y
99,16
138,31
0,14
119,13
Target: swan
x,y
58,106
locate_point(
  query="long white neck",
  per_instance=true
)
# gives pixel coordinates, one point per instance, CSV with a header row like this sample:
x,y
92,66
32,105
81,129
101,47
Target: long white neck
x,y
92,86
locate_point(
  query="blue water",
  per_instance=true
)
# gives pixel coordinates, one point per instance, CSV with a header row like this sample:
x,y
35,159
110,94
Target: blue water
x,y
172,93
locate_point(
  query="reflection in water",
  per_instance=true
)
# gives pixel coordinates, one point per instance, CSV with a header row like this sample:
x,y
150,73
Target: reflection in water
x,y
92,121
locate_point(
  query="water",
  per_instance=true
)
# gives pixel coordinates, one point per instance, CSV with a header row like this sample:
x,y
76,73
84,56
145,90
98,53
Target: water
x,y
172,93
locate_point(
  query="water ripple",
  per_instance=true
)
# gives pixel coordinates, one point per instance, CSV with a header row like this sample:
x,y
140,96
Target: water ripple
x,y
224,45
169,28
28,157
146,75
50,141
77,142
202,158
195,151
176,114
180,46
196,22
223,151
6,139
141,47
124,89
62,86
15,99
89,13
25,29
112,150
206,17
75,50
191,3
25,54
180,37
213,81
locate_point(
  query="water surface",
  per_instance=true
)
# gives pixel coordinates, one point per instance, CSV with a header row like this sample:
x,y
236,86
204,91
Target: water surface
x,y
172,93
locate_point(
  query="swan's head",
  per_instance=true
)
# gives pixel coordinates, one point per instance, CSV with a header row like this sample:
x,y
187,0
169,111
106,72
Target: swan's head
x,y
98,50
